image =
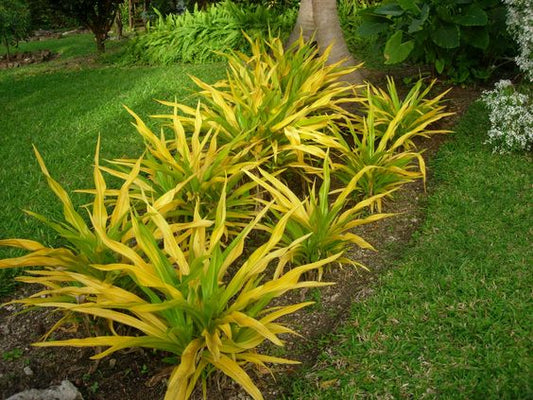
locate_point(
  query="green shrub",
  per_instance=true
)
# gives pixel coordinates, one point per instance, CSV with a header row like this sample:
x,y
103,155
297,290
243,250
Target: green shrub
x,y
199,36
462,39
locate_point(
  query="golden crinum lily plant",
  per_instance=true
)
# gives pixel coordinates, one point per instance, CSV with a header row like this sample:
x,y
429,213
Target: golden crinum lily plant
x,y
383,138
280,100
171,287
391,165
190,169
325,218
412,115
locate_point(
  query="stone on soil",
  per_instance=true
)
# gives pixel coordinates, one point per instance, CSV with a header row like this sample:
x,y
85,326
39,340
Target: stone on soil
x,y
65,391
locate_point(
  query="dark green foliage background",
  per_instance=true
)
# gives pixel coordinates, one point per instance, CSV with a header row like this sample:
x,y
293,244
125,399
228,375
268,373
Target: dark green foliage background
x,y
462,39
196,37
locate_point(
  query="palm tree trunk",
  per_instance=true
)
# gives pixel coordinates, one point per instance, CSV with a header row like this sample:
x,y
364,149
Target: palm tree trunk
x,y
329,32
319,17
305,23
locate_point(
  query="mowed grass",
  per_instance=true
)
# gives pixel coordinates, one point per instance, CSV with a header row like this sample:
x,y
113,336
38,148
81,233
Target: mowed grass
x,y
62,112
454,318
67,46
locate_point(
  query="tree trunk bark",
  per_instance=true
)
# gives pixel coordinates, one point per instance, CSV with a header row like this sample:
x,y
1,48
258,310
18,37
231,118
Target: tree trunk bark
x,y
305,23
100,42
145,12
329,32
319,17
118,20
130,14
202,4
6,43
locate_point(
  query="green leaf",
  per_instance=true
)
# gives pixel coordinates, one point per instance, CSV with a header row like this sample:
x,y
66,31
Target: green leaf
x,y
443,13
481,73
446,36
369,28
418,23
473,15
439,65
409,5
396,51
415,25
392,10
476,37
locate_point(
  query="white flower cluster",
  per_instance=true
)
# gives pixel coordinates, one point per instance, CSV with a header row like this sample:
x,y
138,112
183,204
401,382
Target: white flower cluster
x,y
511,118
520,25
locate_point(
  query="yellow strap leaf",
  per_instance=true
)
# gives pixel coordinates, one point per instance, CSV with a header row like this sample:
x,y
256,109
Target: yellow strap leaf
x,y
25,244
179,379
234,371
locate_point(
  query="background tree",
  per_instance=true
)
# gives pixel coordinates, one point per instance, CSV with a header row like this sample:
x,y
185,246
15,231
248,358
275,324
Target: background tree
x,y
118,23
170,6
42,16
14,22
40,13
96,15
320,18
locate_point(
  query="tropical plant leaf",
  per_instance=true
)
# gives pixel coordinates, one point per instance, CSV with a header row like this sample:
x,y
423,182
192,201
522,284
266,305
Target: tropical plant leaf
x,y
446,35
472,15
397,51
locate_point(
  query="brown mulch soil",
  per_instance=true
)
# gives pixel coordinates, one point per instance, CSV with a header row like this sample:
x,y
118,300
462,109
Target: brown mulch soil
x,y
25,58
139,374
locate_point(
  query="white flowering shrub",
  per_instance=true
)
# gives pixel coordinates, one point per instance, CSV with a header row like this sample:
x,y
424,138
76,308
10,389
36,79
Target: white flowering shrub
x,y
511,110
511,118
520,25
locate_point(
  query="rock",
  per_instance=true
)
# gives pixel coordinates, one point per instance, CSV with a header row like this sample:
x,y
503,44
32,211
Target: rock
x,y
46,55
65,391
28,371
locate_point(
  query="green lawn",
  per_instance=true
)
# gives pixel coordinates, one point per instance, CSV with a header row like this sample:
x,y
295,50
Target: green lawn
x,y
67,46
454,318
62,112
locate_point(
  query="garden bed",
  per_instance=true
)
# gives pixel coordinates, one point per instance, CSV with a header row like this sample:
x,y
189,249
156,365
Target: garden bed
x,y
26,58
